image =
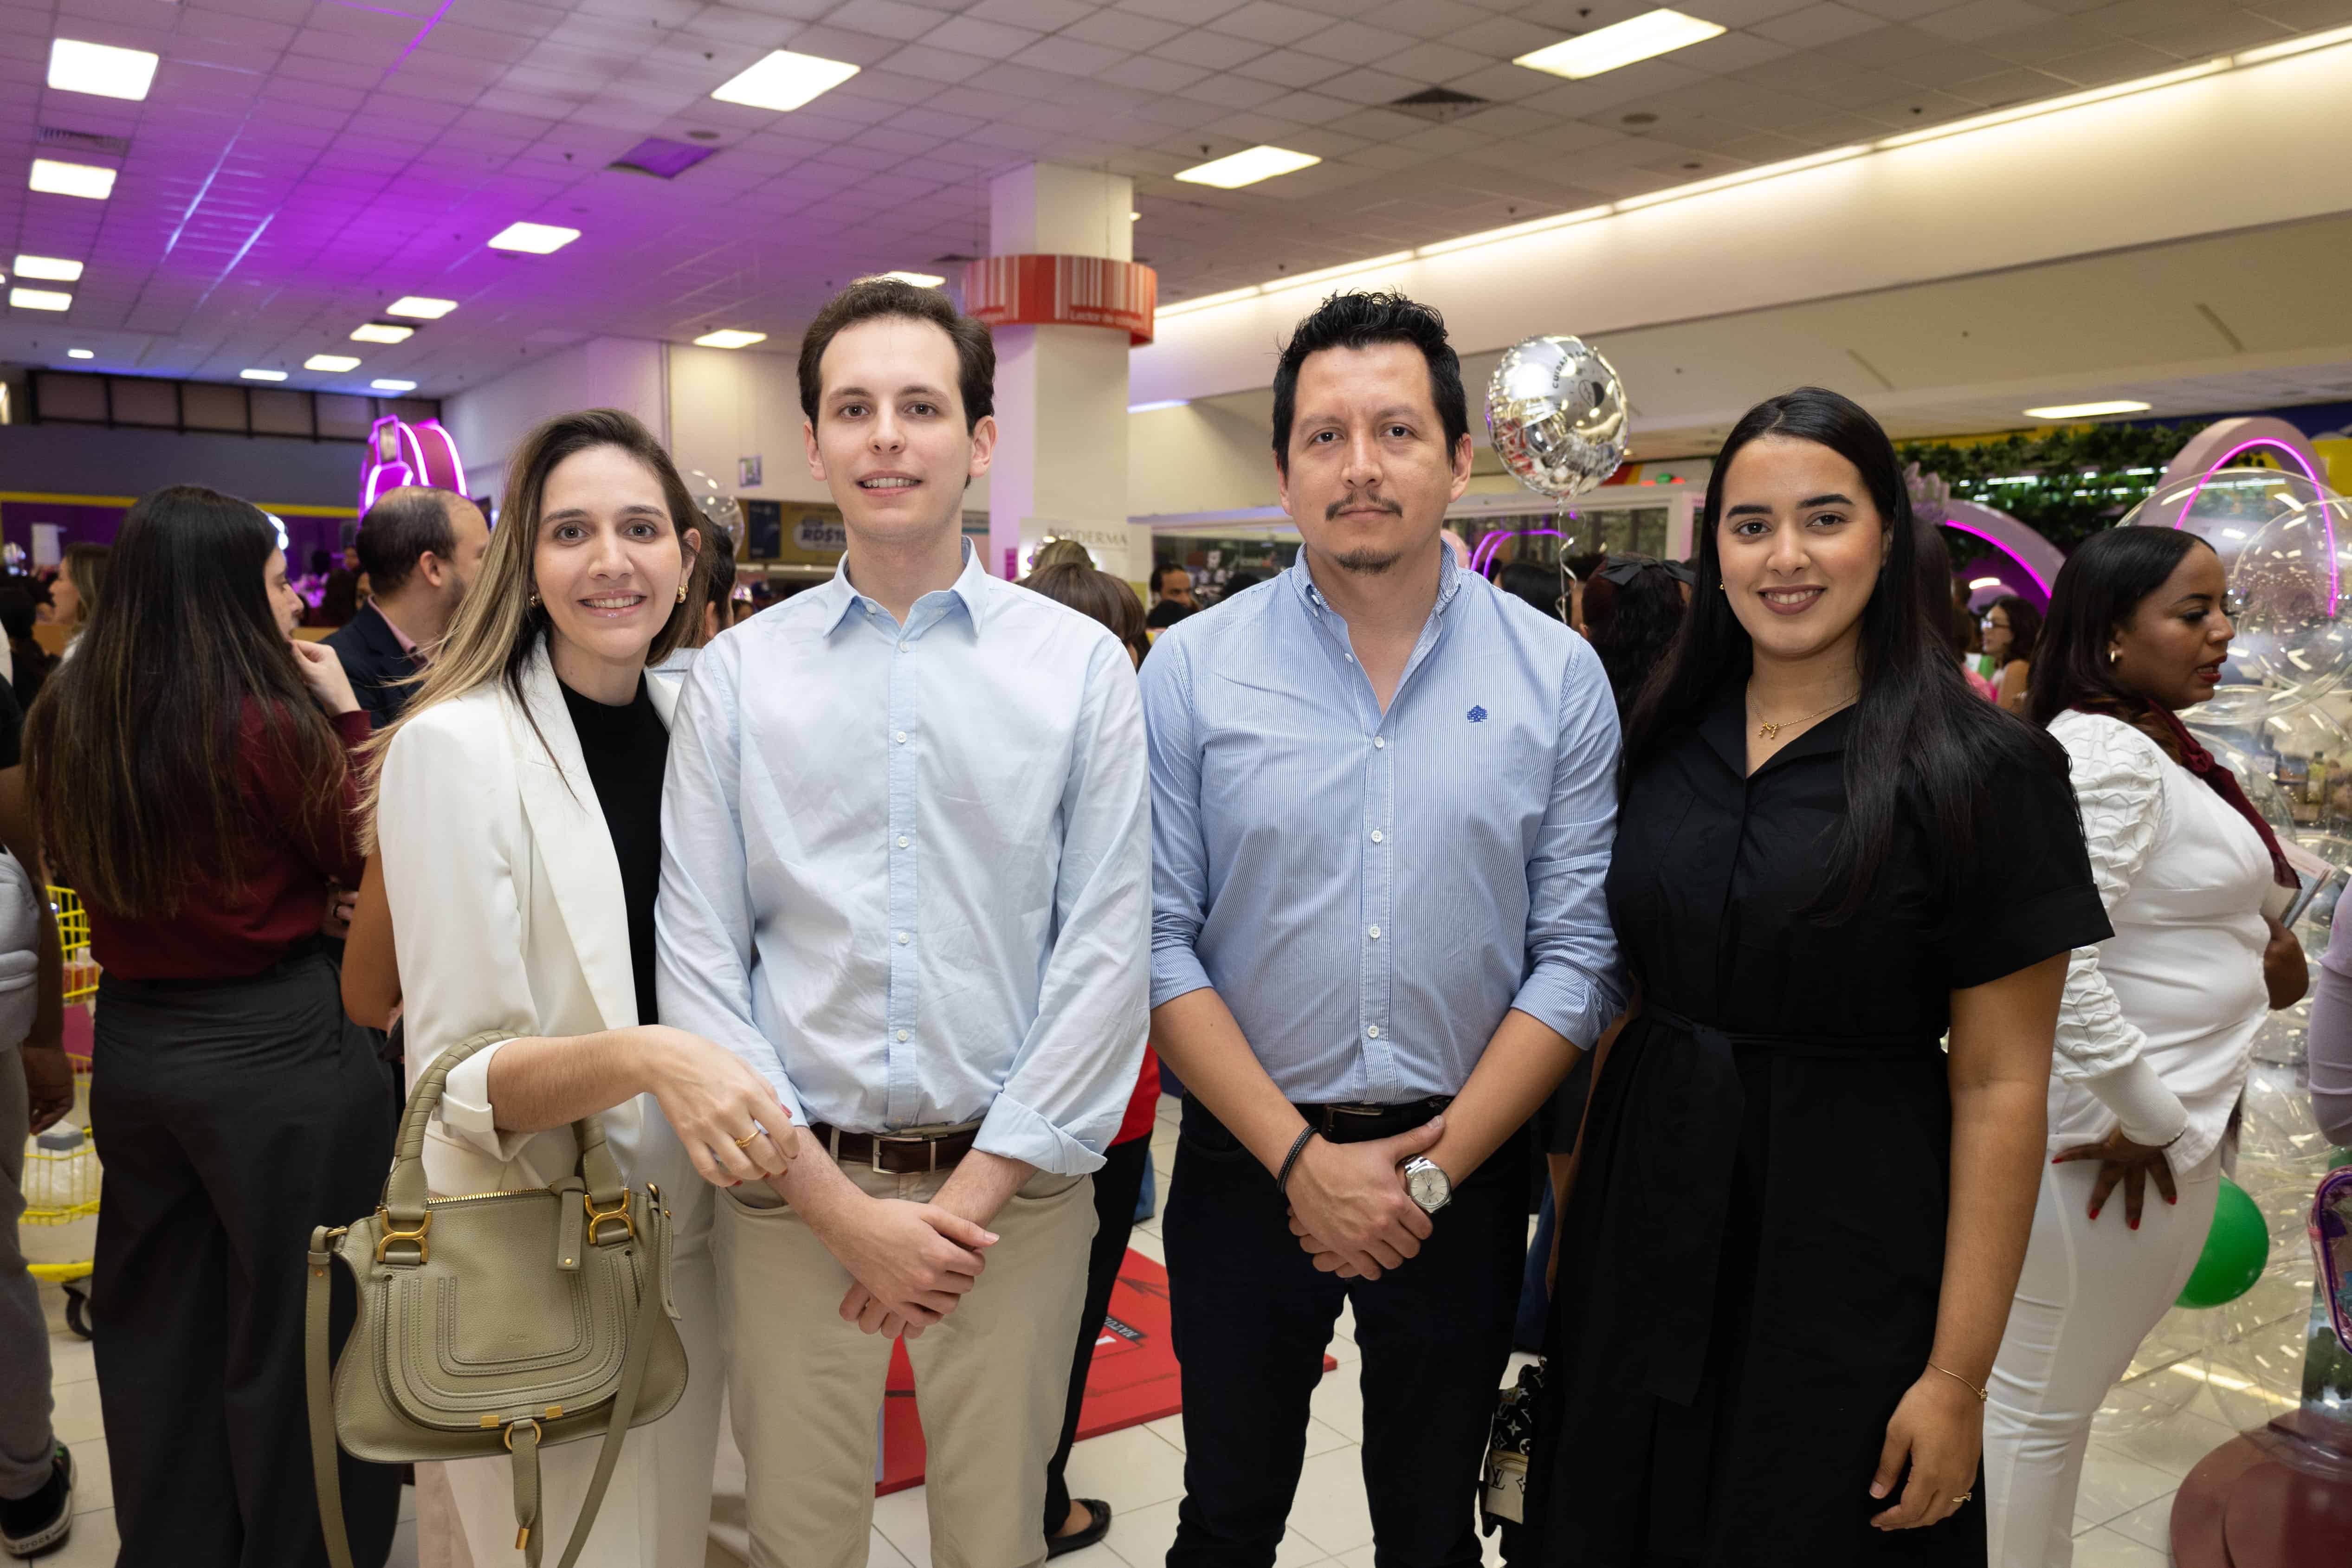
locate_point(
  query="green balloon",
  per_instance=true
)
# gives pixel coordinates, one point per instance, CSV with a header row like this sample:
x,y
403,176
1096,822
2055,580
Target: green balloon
x,y
2235,1251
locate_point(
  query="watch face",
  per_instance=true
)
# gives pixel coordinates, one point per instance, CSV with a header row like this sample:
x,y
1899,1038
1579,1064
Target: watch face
x,y
1428,1186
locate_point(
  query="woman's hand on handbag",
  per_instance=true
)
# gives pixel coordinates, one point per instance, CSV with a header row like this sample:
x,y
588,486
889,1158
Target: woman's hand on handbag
x,y
2287,974
2121,1160
1938,1429
714,1102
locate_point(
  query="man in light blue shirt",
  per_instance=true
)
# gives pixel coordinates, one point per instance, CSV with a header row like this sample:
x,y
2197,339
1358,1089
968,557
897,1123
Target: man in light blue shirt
x,y
906,875
1382,795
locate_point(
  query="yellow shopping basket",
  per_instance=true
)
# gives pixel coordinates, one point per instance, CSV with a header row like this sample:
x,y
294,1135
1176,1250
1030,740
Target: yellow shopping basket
x,y
61,1167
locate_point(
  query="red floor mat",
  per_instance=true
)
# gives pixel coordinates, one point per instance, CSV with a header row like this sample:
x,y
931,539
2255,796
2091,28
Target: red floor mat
x,y
1133,1379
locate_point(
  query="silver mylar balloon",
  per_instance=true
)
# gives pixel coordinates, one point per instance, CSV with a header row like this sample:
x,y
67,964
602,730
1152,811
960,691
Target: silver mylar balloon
x,y
1557,412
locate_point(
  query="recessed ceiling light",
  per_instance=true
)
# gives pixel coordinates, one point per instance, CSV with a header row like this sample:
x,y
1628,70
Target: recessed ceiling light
x,y
337,363
263,375
2086,410
72,179
39,299
729,338
79,354
919,280
393,386
1248,168
539,239
101,68
1640,38
785,81
55,268
383,333
420,307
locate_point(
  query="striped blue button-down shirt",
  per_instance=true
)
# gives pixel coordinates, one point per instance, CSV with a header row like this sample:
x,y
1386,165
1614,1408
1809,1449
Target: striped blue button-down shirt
x,y
1369,893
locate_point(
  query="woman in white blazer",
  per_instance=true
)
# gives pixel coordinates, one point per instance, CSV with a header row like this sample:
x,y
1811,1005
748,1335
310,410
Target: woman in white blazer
x,y
516,812
2157,1025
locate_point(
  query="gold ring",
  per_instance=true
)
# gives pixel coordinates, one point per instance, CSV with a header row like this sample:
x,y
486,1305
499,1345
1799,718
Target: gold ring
x,y
745,1141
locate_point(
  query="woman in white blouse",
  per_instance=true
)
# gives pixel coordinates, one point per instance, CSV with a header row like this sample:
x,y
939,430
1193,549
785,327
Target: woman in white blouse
x,y
2156,1023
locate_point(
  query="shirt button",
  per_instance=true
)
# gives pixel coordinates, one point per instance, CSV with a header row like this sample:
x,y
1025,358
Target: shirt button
x,y
1374,932
904,938
901,736
1380,743
903,841
902,647
1376,835
1373,1032
902,1036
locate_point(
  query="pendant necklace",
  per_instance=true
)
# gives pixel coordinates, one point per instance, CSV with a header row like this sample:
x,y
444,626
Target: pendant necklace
x,y
1772,731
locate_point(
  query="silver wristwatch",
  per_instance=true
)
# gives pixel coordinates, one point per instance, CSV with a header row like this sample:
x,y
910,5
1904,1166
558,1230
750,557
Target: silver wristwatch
x,y
1426,1183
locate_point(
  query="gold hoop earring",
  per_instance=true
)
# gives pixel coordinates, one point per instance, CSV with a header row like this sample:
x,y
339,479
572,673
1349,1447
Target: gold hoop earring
x,y
681,593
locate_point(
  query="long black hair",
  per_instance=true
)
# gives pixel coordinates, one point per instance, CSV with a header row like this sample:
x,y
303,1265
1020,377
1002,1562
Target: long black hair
x,y
1919,734
2100,587
2025,626
1632,610
133,747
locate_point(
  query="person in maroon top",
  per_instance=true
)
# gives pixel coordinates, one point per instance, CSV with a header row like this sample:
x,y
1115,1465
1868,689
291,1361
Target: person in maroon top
x,y
190,770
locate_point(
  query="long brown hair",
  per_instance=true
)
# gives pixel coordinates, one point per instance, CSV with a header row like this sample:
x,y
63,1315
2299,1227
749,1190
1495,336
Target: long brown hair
x,y
132,748
85,567
1097,593
500,624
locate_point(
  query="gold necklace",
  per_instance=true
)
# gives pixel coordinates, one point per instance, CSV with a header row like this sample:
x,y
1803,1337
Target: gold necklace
x,y
1772,731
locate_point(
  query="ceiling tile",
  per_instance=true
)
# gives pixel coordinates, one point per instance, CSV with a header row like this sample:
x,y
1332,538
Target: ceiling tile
x,y
1122,29
1218,51
1288,67
1983,19
1149,73
1045,15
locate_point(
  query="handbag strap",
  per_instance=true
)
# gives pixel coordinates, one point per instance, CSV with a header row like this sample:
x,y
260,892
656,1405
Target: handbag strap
x,y
404,1192
326,1472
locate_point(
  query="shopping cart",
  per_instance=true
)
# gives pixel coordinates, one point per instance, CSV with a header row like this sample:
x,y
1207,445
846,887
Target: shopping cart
x,y
61,1170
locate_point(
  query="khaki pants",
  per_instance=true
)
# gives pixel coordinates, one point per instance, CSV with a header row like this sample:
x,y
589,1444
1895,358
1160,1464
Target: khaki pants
x,y
990,1381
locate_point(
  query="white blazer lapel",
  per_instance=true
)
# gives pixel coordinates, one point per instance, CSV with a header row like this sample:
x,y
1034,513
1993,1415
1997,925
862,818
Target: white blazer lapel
x,y
575,846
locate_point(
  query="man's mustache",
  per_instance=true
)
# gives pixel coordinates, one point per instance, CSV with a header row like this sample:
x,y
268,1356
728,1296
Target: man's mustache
x,y
1385,504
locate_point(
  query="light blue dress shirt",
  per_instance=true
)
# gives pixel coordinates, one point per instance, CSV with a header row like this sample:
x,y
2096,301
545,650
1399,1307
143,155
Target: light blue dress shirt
x,y
1369,893
906,871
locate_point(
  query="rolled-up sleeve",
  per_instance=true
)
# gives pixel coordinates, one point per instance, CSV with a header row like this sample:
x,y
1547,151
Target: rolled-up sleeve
x,y
703,920
1575,982
1075,1069
1180,854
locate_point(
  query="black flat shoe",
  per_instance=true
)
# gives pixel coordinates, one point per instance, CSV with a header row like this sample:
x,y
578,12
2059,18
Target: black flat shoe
x,y
37,1525
1098,1526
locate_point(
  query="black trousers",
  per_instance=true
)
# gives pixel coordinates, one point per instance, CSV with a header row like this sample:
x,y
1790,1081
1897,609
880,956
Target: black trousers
x,y
1118,1186
232,1118
1252,1316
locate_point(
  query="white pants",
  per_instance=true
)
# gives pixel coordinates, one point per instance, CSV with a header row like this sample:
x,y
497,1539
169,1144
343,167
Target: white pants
x,y
2091,1291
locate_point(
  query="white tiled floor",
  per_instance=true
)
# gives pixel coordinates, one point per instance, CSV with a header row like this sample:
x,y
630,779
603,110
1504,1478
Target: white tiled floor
x,y
2120,1520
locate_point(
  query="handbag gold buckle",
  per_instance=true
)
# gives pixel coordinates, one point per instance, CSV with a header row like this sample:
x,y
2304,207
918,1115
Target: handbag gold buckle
x,y
529,1421
390,1235
628,1226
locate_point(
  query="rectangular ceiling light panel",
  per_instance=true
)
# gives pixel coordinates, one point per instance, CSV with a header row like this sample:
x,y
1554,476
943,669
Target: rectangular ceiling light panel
x,y
337,363
39,299
420,308
263,375
1248,168
1641,37
729,338
919,280
101,68
2086,410
393,386
785,81
538,239
60,179
383,333
49,268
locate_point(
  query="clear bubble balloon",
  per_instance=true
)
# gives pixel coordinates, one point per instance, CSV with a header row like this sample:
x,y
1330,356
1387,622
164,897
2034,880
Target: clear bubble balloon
x,y
2232,748
716,503
2286,543
1558,415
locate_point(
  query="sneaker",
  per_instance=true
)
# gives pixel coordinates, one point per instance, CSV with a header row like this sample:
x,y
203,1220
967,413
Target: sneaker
x,y
37,1525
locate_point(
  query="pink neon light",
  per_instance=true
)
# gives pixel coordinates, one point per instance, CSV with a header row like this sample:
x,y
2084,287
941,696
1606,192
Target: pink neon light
x,y
1980,533
1491,545
433,427
2326,518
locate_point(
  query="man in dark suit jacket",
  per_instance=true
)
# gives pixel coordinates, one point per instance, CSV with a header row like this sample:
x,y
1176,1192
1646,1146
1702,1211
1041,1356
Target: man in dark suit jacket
x,y
420,548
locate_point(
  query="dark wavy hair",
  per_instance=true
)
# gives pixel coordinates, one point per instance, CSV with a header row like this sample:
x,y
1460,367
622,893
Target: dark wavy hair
x,y
2099,589
2024,624
1919,734
133,747
1630,625
1358,319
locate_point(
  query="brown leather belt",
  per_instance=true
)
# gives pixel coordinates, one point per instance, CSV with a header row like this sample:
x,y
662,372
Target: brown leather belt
x,y
892,1153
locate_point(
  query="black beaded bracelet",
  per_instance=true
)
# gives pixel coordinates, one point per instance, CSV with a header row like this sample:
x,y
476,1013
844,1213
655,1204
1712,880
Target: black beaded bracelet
x,y
1282,1182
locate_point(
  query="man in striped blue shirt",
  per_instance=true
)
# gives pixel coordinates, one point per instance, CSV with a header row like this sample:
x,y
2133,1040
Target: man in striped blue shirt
x,y
1382,801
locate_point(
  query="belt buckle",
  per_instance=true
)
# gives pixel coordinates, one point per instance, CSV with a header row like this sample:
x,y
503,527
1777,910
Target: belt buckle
x,y
874,1155
1331,1113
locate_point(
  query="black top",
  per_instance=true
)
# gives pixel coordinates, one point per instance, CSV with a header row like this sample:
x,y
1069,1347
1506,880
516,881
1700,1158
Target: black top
x,y
376,663
1750,1263
1166,614
626,750
12,728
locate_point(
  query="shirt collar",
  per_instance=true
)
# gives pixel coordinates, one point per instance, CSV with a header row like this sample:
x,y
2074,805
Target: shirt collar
x,y
841,598
407,644
1449,581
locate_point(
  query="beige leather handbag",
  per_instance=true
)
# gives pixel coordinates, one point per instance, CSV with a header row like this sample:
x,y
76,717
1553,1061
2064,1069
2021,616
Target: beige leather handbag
x,y
495,1323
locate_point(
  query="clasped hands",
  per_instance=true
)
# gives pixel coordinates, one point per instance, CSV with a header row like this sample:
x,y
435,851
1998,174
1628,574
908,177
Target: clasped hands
x,y
1348,1207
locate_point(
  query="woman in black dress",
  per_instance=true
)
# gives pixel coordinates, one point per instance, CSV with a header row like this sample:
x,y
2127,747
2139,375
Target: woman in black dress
x,y
1789,1258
